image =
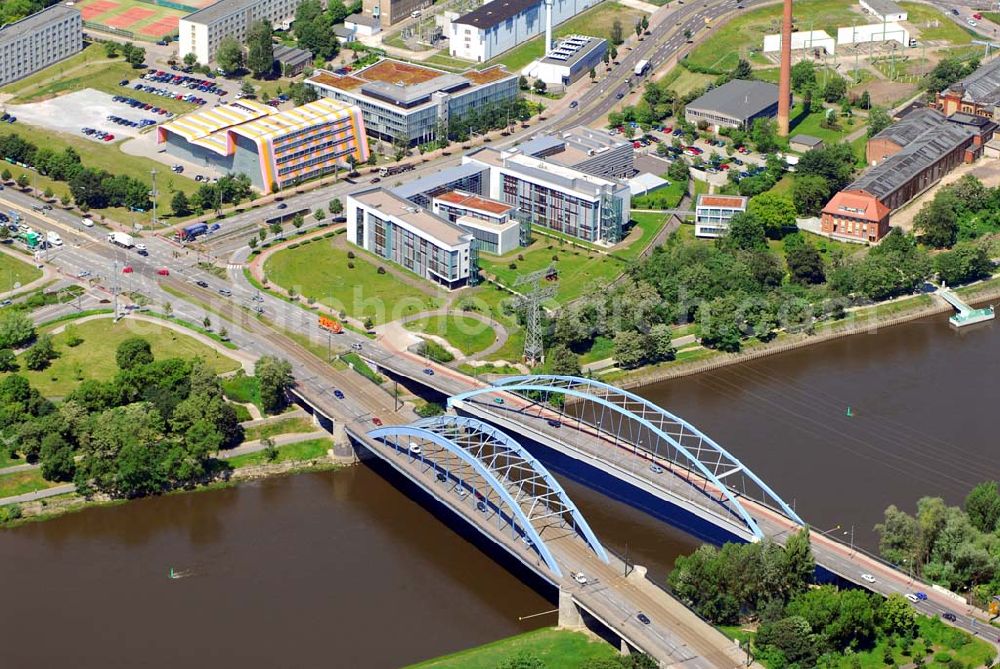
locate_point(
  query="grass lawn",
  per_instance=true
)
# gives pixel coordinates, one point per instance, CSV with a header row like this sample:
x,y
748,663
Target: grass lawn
x,y
809,124
603,348
924,18
14,271
20,483
95,357
88,69
784,185
442,59
300,450
576,268
596,22
672,195
467,334
686,81
283,426
720,52
558,649
242,388
320,270
647,226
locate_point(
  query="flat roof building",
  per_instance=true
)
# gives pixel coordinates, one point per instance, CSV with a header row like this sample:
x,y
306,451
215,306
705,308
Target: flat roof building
x,y
395,229
273,148
585,149
735,104
884,10
571,58
561,198
413,103
500,25
712,213
39,40
804,143
389,12
200,32
494,225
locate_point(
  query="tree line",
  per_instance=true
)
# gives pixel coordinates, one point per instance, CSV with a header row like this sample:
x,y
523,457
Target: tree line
x,y
91,188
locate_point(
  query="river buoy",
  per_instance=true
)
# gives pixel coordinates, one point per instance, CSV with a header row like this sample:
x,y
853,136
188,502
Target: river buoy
x,y
849,412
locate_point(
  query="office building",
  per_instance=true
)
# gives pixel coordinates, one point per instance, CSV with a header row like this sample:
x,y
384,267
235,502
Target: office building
x,y
470,177
412,103
554,196
200,32
500,25
584,149
39,40
570,59
273,148
493,225
395,229
712,213
735,104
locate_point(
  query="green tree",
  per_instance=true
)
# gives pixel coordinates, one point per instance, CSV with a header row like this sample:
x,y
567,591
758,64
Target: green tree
x,y
937,222
896,616
899,536
539,86
274,376
229,55
968,261
679,170
40,354
810,194
336,207
835,89
793,637
110,49
982,505
805,264
523,660
776,212
561,360
661,344
630,349
803,75
247,88
57,458
16,329
5,175
190,60
764,135
617,35
8,361
743,70
835,163
22,181
133,352
746,232
179,204
260,49
878,120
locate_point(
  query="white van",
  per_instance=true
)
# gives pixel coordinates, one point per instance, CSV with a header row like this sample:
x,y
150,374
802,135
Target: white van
x,y
87,223
53,238
415,14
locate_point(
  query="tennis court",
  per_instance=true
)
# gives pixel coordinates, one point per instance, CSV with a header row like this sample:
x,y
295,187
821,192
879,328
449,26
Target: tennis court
x,y
142,20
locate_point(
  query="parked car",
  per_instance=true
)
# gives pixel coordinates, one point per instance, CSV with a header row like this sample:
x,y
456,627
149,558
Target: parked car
x,y
377,421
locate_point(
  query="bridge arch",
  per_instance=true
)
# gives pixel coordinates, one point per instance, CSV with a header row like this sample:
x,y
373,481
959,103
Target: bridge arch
x,y
522,485
674,440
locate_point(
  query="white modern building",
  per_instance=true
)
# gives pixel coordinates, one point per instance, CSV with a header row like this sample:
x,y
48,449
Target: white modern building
x,y
397,230
584,149
554,196
713,212
39,40
883,10
403,101
200,33
808,39
500,25
570,59
492,224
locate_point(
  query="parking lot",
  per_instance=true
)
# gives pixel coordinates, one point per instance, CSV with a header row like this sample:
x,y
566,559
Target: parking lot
x,y
72,112
745,161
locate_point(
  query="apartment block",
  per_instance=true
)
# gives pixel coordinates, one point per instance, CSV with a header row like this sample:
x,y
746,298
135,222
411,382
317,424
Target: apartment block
x,y
39,40
395,229
271,147
200,33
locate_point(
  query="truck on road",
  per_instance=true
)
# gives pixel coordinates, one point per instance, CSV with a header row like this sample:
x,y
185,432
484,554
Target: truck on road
x,y
641,67
192,231
390,170
121,239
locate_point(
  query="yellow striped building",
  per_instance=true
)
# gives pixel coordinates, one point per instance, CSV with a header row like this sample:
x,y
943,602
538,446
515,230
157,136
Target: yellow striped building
x,y
273,148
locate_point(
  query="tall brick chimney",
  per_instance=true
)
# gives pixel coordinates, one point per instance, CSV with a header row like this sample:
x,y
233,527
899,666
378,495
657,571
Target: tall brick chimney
x,y
785,82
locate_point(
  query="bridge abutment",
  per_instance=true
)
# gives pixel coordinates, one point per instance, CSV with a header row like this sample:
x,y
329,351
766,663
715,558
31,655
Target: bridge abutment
x,y
570,616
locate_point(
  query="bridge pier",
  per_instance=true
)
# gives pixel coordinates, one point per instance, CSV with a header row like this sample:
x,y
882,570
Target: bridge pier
x,y
570,617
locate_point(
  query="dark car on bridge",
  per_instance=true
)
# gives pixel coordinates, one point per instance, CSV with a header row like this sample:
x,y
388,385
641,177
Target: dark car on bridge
x,y
643,618
338,394
553,422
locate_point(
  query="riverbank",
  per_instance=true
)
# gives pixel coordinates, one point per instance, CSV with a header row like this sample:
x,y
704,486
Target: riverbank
x,y
860,321
555,648
253,466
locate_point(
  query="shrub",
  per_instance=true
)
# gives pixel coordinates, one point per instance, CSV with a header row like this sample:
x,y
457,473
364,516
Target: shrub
x,y
350,255
380,270
350,265
555,258
942,658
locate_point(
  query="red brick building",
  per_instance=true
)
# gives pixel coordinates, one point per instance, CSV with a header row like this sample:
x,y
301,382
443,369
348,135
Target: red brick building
x,y
855,214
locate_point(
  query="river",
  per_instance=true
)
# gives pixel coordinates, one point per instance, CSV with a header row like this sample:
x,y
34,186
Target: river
x,y
341,569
